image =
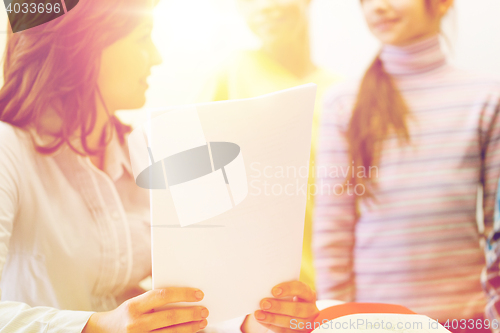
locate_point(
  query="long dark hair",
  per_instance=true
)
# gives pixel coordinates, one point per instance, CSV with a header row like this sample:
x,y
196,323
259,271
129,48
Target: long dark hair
x,y
55,66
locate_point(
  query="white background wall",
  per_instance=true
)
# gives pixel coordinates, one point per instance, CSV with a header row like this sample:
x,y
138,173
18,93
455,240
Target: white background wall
x,y
194,35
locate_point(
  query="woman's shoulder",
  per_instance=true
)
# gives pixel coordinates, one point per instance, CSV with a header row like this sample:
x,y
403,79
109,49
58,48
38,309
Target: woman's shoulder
x,y
339,101
12,134
480,89
476,80
342,93
13,142
8,134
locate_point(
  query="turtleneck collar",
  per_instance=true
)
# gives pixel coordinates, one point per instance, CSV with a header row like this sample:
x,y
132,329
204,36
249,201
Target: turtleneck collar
x,y
417,58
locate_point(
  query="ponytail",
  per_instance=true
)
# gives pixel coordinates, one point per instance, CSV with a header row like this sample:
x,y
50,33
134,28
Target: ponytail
x,y
379,110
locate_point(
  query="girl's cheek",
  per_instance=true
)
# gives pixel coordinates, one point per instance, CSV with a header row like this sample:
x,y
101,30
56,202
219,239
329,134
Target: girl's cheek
x,y
142,59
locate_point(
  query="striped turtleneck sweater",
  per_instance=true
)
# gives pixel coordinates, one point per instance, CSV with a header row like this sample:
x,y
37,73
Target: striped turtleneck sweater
x,y
417,243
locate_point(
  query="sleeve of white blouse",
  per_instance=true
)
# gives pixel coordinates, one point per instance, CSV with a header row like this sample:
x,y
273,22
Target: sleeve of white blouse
x,y
15,316
334,211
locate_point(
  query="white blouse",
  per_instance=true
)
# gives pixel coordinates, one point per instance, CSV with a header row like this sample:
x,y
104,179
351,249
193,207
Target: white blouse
x,y
72,237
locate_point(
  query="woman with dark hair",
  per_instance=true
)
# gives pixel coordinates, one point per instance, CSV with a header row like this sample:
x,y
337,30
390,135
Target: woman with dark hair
x,y
401,156
74,227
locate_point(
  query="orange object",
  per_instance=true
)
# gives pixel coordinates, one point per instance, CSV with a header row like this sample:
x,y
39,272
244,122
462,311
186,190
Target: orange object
x,y
346,309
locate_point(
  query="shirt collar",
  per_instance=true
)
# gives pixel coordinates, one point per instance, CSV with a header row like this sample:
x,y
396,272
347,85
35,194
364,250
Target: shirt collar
x,y
420,57
117,159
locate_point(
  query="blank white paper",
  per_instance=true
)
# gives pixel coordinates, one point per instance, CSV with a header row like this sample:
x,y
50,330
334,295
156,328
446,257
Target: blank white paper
x,y
238,251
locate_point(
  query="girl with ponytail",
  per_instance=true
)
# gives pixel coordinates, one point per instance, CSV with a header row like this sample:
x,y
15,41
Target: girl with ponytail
x,y
401,156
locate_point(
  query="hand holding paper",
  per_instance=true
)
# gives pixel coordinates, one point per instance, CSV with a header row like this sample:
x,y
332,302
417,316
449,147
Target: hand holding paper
x,y
141,314
294,302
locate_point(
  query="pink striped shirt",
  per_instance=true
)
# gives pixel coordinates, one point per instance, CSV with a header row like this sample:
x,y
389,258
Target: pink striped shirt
x,y
418,244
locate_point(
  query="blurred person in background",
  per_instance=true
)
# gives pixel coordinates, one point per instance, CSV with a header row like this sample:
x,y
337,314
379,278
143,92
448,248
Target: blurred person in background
x,y
283,61
74,227
401,155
